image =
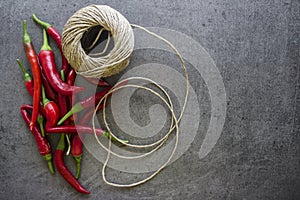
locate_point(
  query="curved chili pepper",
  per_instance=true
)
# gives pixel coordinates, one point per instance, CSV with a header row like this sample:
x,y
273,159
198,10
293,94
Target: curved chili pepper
x,y
62,169
57,38
51,110
42,143
32,58
74,129
29,86
49,69
92,100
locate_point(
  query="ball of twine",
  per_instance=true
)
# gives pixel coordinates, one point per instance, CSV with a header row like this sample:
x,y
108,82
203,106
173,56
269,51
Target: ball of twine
x,y
112,21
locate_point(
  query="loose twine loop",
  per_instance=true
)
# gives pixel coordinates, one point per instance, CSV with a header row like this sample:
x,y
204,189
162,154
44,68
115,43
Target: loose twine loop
x,y
113,63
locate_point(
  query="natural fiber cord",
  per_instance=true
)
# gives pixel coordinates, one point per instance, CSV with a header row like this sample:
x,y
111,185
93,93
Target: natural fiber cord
x,y
111,20
113,63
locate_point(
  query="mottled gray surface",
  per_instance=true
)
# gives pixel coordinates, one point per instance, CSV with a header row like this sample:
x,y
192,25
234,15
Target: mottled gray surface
x,y
255,45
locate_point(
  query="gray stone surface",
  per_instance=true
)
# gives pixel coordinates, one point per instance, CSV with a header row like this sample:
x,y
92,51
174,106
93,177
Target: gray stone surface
x,y
255,45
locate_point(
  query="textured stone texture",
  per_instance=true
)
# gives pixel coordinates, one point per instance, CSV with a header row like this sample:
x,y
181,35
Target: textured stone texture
x,y
255,45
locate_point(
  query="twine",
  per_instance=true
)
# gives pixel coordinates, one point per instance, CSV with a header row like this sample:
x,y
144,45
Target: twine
x,y
112,21
108,18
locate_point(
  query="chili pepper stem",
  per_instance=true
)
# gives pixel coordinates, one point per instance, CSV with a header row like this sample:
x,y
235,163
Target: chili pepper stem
x,y
40,120
78,166
45,25
44,98
107,135
27,77
26,37
48,158
61,143
75,109
45,46
69,145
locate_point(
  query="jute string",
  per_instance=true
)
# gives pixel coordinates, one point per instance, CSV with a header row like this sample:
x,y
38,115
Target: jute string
x,y
108,18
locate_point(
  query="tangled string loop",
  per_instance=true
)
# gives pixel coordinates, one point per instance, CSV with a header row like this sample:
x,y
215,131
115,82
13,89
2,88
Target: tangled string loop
x,y
111,20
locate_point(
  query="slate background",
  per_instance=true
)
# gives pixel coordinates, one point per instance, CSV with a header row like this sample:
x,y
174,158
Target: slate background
x,y
255,45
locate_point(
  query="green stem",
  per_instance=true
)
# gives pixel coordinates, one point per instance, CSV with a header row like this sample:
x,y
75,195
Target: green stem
x,y
45,25
44,98
107,135
69,145
45,46
75,109
40,120
62,75
48,158
78,166
61,143
26,37
27,77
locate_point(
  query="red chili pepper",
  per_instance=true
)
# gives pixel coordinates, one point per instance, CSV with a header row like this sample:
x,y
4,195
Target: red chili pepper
x,y
76,151
62,169
29,86
32,58
51,110
49,69
57,38
42,143
51,94
74,129
71,76
92,100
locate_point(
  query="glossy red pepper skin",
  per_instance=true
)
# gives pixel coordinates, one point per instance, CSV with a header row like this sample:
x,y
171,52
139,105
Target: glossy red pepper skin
x,y
32,58
63,170
76,151
71,77
28,82
74,129
42,143
50,71
51,94
52,114
51,110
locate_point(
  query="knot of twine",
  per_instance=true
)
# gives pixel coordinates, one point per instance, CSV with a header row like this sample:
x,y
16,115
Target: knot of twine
x,y
112,21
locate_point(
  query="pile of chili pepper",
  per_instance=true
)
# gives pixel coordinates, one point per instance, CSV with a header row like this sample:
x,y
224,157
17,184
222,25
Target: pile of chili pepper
x,y
51,111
